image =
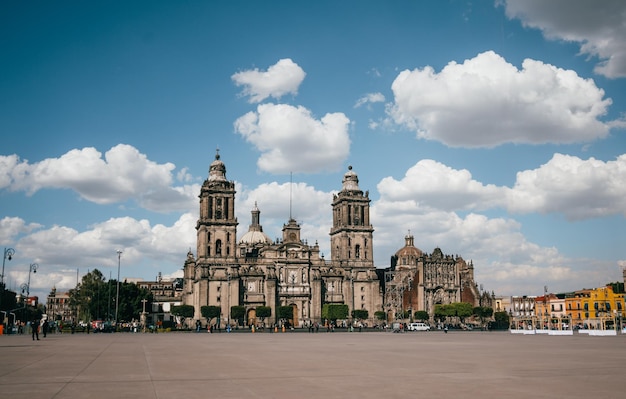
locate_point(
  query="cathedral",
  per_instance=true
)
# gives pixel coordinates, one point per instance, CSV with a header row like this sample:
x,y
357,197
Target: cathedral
x,y
255,271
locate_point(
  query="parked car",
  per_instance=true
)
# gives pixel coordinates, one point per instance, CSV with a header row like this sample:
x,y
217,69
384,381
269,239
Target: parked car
x,y
419,327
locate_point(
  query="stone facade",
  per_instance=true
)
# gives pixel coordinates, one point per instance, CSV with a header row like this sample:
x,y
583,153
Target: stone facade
x,y
256,271
419,281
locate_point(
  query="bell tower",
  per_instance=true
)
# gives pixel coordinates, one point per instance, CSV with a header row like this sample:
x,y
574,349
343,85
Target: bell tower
x,y
351,233
217,225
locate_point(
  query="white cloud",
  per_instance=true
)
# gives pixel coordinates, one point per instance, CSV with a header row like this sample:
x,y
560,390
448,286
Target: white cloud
x,y
61,250
280,79
370,98
11,227
123,174
486,102
597,25
292,140
434,185
579,189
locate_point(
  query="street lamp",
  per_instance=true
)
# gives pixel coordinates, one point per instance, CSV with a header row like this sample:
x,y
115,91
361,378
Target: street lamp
x,y
352,289
8,254
26,287
117,297
228,304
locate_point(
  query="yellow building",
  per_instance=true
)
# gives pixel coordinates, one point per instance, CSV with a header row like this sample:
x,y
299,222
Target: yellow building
x,y
598,308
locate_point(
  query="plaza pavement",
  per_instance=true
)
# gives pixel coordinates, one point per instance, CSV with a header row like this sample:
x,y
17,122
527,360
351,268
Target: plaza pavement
x,y
303,365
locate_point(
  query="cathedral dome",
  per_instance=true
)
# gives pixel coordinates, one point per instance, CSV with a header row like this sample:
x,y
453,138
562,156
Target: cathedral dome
x,y
409,250
255,234
255,237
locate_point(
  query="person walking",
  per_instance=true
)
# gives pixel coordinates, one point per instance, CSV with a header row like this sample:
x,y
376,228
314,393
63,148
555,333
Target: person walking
x,y
34,326
44,327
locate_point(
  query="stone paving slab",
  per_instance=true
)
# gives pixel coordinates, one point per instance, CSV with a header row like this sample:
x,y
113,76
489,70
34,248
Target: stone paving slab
x,y
322,365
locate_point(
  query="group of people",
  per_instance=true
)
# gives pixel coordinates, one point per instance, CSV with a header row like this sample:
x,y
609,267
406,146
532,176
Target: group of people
x,y
37,325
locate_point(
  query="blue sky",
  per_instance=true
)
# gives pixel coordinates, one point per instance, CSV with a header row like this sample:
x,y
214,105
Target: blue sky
x,y
493,130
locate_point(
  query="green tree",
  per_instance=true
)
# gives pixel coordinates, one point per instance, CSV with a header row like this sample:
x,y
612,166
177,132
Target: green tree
x,y
237,313
501,320
420,315
210,312
462,310
334,312
263,312
441,312
618,287
183,311
380,315
483,312
131,306
404,314
9,299
285,313
360,314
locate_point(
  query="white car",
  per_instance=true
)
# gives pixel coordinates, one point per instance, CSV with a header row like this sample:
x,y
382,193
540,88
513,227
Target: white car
x,y
419,327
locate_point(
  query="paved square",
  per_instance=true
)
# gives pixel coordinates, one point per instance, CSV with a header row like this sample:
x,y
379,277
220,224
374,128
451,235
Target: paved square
x,y
303,365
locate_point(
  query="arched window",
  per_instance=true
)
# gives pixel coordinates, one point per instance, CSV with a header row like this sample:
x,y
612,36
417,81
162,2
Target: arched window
x,y
357,251
218,247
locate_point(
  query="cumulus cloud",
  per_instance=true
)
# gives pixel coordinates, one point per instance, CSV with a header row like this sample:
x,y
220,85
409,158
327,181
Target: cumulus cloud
x,y
280,79
435,185
292,140
578,188
60,250
598,26
11,227
486,102
124,173
370,98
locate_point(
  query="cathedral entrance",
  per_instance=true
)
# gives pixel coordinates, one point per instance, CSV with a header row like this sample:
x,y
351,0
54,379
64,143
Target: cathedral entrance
x,y
251,317
294,320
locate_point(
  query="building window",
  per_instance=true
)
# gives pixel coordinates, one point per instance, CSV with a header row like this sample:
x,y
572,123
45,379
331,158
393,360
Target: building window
x,y
357,251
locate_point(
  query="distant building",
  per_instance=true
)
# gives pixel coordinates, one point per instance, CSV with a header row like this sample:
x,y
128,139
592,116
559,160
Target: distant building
x,y
58,306
420,281
166,294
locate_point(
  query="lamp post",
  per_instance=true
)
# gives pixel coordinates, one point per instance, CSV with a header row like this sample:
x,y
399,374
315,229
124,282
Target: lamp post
x,y
228,304
8,254
26,287
352,289
117,296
